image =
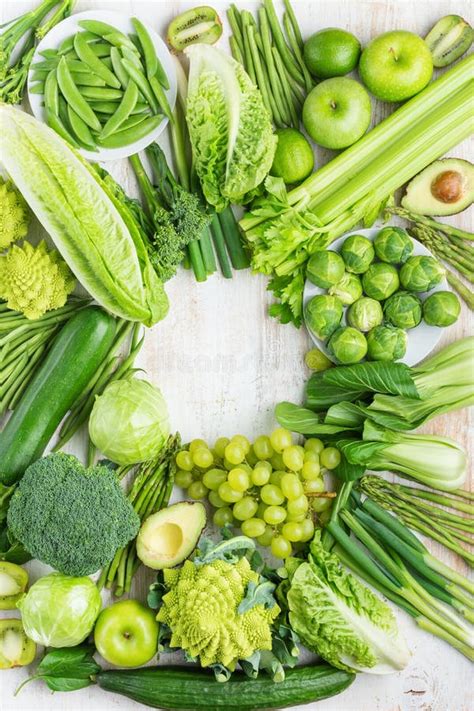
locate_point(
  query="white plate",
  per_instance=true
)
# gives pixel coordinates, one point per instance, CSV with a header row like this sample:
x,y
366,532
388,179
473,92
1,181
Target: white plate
x,y
421,340
122,22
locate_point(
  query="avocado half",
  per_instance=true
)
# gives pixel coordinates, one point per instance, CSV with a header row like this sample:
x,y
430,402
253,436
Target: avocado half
x,y
168,537
445,187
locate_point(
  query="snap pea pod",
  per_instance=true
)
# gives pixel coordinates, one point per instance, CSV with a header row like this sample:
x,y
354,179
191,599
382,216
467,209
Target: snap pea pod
x,y
74,97
39,75
37,88
66,45
83,79
133,120
73,64
124,110
86,54
133,58
119,71
100,49
142,83
57,125
110,107
49,53
51,93
130,135
107,32
153,66
81,129
161,96
99,93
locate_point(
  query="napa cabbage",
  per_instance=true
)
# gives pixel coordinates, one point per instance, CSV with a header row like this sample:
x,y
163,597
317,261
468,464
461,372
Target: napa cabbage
x,y
229,127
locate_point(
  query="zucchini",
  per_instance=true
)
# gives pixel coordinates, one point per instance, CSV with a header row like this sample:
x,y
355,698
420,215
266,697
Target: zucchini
x,y
197,690
72,360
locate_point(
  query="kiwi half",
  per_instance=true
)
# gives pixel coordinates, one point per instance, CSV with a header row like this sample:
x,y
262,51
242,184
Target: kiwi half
x,y
201,24
16,649
13,582
449,39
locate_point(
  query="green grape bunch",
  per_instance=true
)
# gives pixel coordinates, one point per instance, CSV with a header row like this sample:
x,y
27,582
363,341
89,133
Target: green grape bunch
x,y
273,489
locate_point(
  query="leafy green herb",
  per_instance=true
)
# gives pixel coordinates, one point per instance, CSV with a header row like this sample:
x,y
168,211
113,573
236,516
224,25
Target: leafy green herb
x,y
66,669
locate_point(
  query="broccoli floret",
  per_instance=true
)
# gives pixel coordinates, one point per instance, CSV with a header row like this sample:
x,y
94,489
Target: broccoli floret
x,y
14,215
33,280
70,517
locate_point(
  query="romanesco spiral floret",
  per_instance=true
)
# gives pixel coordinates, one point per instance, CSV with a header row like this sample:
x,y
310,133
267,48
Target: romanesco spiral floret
x,y
14,215
201,609
33,280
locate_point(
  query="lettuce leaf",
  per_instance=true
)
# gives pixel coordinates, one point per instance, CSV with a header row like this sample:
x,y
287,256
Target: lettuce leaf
x,y
82,220
229,126
341,619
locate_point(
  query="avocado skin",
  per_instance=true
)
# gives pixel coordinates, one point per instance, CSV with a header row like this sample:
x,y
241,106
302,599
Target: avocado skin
x,y
419,197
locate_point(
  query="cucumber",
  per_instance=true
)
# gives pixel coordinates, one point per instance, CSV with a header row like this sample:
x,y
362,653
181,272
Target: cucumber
x,y
197,690
72,360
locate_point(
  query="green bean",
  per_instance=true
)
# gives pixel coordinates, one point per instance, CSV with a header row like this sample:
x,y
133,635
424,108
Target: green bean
x,y
285,86
246,16
288,59
258,69
294,24
161,97
142,83
74,97
51,93
81,129
100,49
236,51
86,54
119,71
99,93
148,49
107,32
124,110
274,79
233,16
308,82
130,135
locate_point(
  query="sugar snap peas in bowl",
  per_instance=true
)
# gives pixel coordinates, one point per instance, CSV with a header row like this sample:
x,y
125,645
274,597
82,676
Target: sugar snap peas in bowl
x,y
105,82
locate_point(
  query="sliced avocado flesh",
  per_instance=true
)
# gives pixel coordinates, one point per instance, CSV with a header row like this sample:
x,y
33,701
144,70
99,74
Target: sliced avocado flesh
x,y
445,187
169,536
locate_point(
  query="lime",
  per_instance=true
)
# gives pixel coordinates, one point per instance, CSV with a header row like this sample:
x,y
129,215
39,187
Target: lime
x,y
331,52
294,159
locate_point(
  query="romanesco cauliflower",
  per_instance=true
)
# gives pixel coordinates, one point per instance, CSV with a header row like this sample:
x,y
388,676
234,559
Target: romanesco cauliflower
x,y
14,215
33,280
201,609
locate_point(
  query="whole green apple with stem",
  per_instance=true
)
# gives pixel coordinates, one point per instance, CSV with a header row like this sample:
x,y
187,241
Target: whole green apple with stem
x,y
126,634
336,113
396,65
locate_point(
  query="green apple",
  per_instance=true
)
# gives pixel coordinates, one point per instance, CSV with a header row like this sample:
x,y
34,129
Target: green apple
x,y
126,634
396,65
336,113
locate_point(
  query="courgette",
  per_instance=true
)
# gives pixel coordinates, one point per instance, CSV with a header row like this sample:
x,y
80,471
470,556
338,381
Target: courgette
x,y
72,360
197,690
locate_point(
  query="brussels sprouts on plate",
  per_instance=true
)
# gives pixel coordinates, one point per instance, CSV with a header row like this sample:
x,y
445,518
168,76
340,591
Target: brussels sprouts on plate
x,y
325,268
365,314
348,290
380,281
358,253
323,315
386,343
348,345
421,273
393,245
403,310
441,309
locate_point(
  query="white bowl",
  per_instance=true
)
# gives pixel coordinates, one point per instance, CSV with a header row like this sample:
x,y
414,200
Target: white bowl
x,y
421,340
122,22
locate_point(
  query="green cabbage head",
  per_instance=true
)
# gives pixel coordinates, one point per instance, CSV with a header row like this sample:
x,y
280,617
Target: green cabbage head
x,y
230,128
205,609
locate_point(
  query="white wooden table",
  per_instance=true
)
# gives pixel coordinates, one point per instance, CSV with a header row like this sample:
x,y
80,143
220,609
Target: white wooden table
x,y
222,364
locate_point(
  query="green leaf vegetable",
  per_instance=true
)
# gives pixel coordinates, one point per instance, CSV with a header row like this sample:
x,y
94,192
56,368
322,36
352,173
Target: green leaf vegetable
x,y
176,214
213,614
340,619
14,214
284,229
34,280
129,421
60,611
229,127
70,517
103,247
66,669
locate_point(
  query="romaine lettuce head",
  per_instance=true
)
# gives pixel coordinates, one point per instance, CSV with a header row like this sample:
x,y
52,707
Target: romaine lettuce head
x,y
341,619
230,128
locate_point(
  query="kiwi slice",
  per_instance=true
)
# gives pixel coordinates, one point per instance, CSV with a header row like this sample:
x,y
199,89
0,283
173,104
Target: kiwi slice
x,y
13,582
16,649
449,39
201,24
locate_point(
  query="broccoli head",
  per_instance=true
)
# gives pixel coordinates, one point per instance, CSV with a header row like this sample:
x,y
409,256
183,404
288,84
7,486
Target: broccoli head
x,y
70,517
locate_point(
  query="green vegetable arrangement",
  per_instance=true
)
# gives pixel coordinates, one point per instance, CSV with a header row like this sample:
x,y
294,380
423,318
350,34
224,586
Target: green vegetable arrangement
x,y
284,229
102,90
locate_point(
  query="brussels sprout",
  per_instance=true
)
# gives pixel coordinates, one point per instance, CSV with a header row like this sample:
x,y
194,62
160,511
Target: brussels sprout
x,y
403,310
323,315
325,268
386,343
349,289
317,360
357,253
380,281
441,308
421,273
348,345
365,314
393,245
